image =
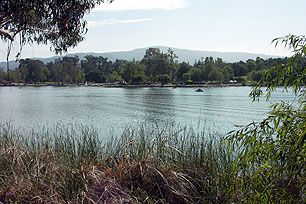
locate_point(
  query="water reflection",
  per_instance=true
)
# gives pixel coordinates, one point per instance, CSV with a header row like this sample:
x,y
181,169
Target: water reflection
x,y
116,108
158,105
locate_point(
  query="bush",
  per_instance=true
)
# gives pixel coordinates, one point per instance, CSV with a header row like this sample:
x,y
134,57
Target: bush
x,y
270,165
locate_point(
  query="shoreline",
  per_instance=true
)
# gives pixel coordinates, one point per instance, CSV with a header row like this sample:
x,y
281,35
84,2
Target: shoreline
x,y
110,85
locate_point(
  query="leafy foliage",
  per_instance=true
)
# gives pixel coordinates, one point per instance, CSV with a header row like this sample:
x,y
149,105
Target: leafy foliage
x,y
155,67
60,23
271,162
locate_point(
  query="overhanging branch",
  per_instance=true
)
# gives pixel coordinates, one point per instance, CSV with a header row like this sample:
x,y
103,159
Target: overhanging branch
x,y
6,33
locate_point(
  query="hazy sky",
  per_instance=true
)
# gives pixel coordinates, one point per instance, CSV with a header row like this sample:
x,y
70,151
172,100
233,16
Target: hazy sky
x,y
212,25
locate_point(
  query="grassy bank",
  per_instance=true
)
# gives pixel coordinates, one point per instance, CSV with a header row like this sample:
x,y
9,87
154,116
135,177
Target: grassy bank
x,y
72,165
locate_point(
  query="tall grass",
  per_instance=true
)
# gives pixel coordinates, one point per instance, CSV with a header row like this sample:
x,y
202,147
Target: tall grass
x,y
72,164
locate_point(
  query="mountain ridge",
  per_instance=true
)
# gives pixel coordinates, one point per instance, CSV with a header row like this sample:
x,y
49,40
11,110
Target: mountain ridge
x,y
183,55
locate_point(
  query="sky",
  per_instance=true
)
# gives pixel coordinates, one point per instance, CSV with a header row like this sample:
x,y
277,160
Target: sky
x,y
209,25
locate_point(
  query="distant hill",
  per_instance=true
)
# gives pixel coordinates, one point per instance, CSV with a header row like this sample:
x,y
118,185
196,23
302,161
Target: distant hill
x,y
137,54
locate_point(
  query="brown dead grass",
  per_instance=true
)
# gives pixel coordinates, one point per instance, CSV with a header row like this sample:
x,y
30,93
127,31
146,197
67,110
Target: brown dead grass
x,y
41,173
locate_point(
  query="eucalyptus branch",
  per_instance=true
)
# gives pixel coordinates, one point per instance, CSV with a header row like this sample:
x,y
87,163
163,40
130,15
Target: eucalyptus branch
x,y
6,34
59,23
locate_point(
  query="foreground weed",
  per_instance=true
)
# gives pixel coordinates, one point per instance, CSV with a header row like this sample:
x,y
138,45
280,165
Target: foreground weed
x,y
144,165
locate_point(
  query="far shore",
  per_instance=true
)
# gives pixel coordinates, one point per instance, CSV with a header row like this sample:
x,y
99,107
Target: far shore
x,y
113,85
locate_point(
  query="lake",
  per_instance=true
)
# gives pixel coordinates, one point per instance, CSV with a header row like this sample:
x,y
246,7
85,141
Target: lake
x,y
219,108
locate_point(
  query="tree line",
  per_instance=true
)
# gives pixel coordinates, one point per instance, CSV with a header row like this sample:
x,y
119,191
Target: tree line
x,y
154,67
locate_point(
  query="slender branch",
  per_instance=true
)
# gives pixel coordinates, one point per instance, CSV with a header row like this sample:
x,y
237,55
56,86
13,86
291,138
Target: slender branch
x,y
6,33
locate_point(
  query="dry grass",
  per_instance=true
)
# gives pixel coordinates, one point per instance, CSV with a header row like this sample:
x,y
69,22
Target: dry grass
x,y
72,165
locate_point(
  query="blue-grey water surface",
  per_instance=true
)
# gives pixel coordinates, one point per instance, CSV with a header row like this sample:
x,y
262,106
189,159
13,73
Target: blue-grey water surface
x,y
117,108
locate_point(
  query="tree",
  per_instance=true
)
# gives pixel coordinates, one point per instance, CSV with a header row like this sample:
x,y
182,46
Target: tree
x,y
14,76
71,68
133,72
219,62
60,23
32,70
66,69
89,64
250,65
96,66
23,72
260,63
3,76
46,73
186,77
206,67
271,155
239,69
114,77
172,63
182,69
118,64
195,74
216,74
96,76
256,75
228,72
157,63
57,71
209,61
164,78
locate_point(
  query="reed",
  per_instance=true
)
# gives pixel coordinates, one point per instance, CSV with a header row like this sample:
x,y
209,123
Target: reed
x,y
73,164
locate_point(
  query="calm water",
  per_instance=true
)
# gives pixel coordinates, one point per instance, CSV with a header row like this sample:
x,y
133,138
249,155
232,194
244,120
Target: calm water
x,y
106,108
